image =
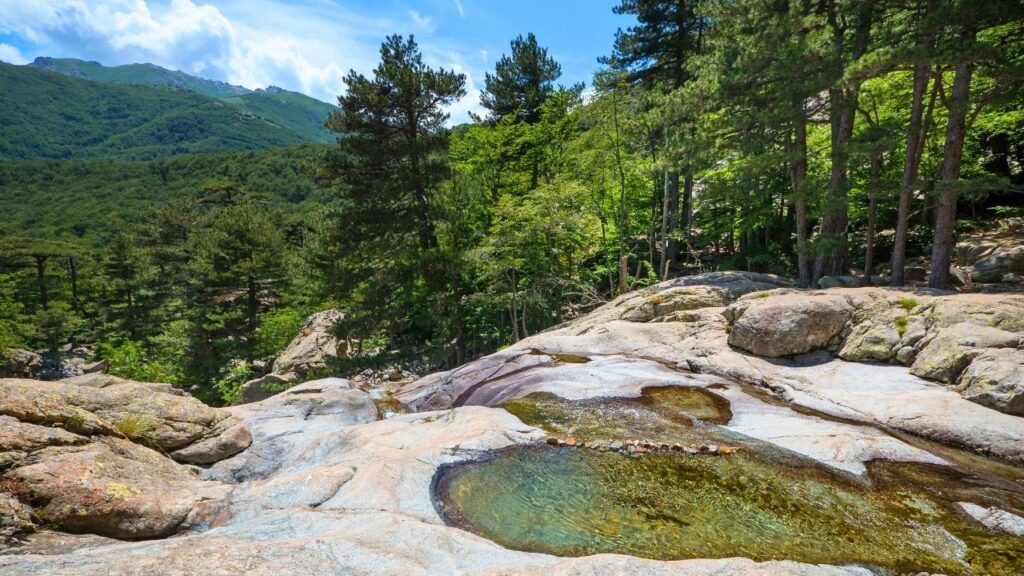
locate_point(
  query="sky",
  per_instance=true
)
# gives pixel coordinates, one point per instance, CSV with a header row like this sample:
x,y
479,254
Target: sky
x,y
307,45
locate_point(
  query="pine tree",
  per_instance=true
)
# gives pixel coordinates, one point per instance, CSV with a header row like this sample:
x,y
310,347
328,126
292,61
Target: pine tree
x,y
390,161
521,81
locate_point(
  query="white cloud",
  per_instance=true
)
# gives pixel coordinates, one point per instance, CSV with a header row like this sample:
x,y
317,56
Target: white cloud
x,y
306,47
483,55
11,55
460,8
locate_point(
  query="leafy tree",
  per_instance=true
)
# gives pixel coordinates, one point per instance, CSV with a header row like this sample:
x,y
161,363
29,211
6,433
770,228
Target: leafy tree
x,y
656,53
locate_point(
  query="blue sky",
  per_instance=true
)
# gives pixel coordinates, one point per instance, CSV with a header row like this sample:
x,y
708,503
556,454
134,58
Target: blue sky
x,y
306,45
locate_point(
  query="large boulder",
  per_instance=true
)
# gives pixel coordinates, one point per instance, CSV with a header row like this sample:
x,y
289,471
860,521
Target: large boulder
x,y
313,347
869,341
185,428
995,378
100,456
110,487
787,324
18,363
311,351
948,353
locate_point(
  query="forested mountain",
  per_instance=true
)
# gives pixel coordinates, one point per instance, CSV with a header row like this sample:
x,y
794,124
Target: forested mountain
x,y
88,200
49,115
292,110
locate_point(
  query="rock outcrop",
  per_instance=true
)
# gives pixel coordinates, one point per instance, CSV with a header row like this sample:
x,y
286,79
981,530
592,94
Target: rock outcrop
x,y
994,255
18,363
855,324
938,335
309,352
788,324
107,459
325,489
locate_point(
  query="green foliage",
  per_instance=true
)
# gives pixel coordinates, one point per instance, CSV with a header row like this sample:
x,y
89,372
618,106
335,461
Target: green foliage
x,y
907,304
296,112
56,325
276,330
521,82
901,324
89,199
229,387
135,427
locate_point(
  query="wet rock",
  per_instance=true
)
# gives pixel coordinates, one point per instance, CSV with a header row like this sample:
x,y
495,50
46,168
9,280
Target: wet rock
x,y
552,441
995,518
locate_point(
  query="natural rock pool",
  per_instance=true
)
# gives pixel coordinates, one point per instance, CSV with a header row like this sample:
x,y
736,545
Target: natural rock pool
x,y
761,502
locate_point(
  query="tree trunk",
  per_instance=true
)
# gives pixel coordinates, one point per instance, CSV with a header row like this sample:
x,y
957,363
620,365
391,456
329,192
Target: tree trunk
x,y
73,274
669,223
252,312
687,208
833,260
41,280
843,103
910,166
952,155
798,174
869,243
623,274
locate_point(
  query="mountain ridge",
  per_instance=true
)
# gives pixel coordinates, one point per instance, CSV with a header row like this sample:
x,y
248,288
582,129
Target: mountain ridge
x,y
295,111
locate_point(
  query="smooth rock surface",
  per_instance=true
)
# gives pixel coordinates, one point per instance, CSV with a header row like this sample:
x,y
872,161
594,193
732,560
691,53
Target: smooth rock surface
x,y
347,498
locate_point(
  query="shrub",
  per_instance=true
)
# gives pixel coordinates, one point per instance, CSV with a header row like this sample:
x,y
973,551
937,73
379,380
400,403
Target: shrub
x,y
277,329
135,427
907,304
901,325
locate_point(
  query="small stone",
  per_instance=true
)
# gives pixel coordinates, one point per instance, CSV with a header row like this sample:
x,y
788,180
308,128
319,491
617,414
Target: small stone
x,y
570,441
615,445
664,446
713,449
552,441
631,449
727,450
704,448
677,447
690,450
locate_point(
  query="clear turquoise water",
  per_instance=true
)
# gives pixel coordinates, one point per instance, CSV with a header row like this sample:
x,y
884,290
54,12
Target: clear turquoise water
x,y
758,503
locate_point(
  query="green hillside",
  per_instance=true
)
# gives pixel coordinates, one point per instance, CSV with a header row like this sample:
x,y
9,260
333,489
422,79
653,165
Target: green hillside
x,y
296,112
48,115
89,200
